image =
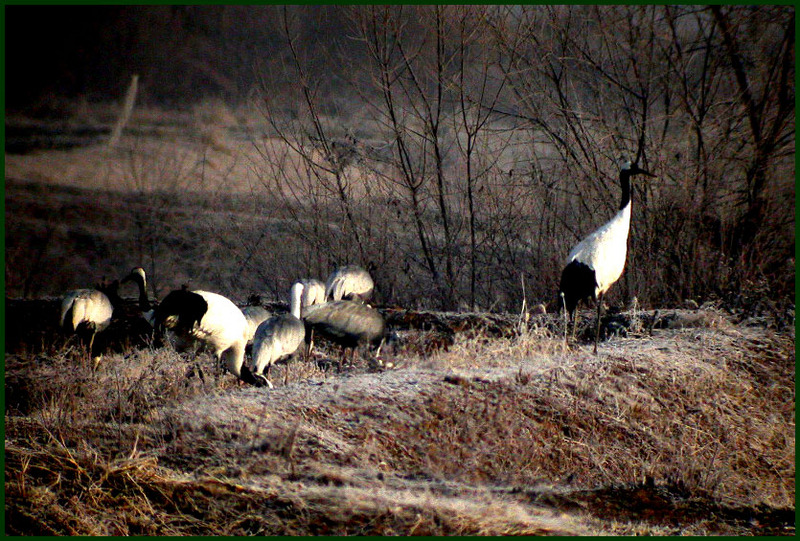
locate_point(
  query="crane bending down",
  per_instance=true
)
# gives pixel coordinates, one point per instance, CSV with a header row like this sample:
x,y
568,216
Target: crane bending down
x,y
278,338
87,312
347,323
209,318
599,259
350,282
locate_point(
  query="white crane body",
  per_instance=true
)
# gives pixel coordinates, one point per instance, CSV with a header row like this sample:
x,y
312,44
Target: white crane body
x,y
210,318
605,250
87,312
313,292
598,260
89,307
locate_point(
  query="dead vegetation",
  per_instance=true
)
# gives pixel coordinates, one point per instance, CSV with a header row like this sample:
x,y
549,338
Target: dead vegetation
x,y
476,423
687,431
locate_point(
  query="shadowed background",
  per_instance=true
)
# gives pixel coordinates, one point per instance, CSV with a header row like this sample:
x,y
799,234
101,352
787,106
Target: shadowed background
x,y
462,150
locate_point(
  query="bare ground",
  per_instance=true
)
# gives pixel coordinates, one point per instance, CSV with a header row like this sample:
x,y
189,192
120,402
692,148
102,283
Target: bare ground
x,y
689,430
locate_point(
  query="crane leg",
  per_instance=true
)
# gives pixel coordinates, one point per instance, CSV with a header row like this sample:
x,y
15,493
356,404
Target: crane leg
x,y
286,372
574,321
597,329
310,345
197,369
94,358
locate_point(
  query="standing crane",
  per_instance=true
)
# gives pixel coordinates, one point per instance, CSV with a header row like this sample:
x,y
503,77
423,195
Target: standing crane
x,y
599,259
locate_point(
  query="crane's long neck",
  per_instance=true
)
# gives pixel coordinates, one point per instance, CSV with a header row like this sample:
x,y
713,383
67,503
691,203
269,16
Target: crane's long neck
x,y
296,294
625,182
144,303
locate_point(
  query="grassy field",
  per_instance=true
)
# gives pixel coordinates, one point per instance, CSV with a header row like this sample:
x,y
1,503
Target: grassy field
x,y
684,426
473,424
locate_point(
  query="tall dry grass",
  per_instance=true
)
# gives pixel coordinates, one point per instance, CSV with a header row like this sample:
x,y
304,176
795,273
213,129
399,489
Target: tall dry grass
x,y
501,435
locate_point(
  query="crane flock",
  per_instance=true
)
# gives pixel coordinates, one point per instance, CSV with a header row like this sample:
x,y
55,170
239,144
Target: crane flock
x,y
336,309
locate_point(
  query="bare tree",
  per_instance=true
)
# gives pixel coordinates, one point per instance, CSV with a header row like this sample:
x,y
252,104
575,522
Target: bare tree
x,y
764,75
492,136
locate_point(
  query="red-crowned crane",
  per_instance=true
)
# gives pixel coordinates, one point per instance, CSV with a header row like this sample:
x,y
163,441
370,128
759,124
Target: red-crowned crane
x,y
278,338
209,318
350,282
599,259
87,312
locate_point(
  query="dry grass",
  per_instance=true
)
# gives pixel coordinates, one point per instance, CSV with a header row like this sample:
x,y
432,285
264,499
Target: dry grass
x,y
700,410
690,431
211,149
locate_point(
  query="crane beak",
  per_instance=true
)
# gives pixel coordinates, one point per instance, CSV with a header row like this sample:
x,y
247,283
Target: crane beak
x,y
261,381
636,170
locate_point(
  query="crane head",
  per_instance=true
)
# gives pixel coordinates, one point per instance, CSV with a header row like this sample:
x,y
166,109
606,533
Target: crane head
x,y
137,273
633,168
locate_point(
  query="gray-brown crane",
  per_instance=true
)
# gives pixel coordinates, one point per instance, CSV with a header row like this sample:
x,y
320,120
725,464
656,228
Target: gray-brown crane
x,y
254,315
278,338
346,323
349,282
